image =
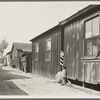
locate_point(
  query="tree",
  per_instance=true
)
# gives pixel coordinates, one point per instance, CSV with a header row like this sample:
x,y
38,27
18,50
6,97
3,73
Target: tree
x,y
3,46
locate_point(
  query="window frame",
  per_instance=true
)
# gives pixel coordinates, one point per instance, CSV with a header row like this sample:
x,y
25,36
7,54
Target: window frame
x,y
92,38
48,59
36,44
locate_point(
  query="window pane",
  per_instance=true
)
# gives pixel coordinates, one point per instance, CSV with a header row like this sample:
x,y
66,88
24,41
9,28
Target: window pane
x,y
48,49
37,48
95,47
95,26
89,48
36,55
48,46
88,32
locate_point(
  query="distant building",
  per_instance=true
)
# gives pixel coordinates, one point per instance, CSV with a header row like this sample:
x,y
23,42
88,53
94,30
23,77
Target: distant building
x,y
18,49
5,60
8,58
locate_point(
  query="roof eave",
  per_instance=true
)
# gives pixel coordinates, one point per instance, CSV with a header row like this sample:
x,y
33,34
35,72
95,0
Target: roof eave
x,y
46,32
79,13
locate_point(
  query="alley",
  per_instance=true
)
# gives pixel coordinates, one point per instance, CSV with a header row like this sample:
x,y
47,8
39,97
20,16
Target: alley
x,y
15,82
7,87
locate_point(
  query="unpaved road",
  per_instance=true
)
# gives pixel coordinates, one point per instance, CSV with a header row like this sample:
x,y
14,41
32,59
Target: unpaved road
x,y
14,82
7,87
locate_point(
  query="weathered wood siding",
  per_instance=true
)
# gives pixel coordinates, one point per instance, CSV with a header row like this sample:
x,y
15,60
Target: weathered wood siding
x,y
29,62
73,49
43,67
14,60
91,71
15,57
8,59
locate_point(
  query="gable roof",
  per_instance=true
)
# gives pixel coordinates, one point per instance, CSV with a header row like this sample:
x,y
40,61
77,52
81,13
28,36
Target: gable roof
x,y
25,47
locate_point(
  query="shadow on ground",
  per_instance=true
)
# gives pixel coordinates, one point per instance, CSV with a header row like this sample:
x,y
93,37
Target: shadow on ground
x,y
6,75
7,87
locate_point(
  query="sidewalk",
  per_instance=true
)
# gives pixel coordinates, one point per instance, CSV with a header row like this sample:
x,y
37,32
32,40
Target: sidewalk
x,y
37,87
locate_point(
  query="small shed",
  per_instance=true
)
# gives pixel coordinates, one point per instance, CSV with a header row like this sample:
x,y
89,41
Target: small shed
x,y
9,58
16,53
5,60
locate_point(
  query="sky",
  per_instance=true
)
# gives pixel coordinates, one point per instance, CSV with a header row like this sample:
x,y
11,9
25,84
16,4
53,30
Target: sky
x,y
22,21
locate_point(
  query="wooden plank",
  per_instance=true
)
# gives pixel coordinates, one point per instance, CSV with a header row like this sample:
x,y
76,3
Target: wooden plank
x,y
67,52
93,73
58,49
87,72
80,49
33,58
54,54
97,72
29,62
72,51
83,72
77,52
42,56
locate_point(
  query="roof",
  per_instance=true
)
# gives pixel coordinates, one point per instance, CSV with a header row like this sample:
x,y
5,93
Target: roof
x,y
25,47
85,11
46,32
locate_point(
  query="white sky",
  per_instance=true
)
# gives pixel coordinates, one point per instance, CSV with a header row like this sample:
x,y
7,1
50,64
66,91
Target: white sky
x,y
22,21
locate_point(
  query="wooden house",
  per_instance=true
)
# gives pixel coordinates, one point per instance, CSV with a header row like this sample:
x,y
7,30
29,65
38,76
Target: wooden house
x,y
16,53
5,60
81,34
46,52
8,58
79,37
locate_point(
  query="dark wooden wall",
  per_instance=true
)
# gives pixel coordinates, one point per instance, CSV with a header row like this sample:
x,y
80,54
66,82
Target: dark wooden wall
x,y
43,67
19,55
73,45
74,48
15,57
29,62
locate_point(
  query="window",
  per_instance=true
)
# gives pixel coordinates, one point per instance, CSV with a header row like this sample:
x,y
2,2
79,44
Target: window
x,y
92,27
95,26
48,49
91,36
91,48
88,29
36,51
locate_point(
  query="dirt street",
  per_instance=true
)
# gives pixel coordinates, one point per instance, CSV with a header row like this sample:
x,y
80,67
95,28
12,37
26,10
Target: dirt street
x,y
14,82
